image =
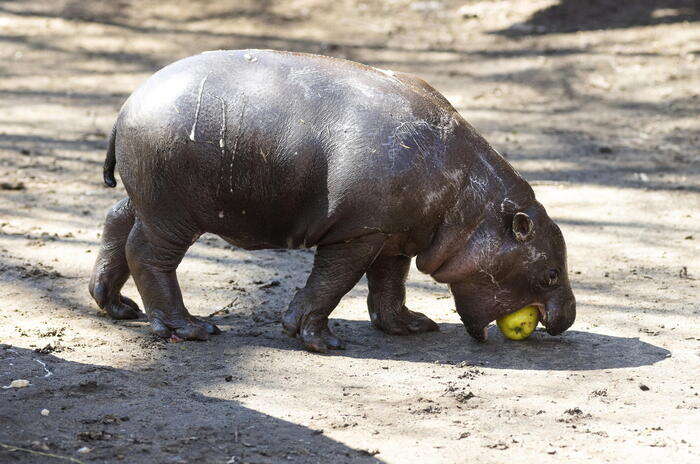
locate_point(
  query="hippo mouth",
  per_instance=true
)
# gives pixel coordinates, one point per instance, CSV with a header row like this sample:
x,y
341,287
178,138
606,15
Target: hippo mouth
x,y
556,310
481,334
542,313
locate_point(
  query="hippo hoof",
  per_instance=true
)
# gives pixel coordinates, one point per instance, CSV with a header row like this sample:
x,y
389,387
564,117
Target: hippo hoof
x,y
404,322
317,336
313,331
120,307
125,308
191,328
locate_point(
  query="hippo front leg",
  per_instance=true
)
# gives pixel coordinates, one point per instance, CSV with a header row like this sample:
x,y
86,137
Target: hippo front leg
x,y
387,297
336,270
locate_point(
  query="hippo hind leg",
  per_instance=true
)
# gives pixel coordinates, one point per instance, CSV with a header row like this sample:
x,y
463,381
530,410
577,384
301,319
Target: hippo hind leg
x,y
386,279
153,256
111,269
336,270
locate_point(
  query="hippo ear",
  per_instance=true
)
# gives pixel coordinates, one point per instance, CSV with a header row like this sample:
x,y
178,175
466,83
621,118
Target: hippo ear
x,y
522,227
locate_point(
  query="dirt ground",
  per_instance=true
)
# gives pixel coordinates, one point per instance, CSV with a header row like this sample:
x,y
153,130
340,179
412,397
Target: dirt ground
x,y
597,107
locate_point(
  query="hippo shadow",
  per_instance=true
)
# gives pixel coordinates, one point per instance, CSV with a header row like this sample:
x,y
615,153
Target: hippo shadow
x,y
574,350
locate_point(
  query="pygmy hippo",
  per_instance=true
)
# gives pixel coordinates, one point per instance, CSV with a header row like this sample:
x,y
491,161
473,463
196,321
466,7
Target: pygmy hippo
x,y
270,149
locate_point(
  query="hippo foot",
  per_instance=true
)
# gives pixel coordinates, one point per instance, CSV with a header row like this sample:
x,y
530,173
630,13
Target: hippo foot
x,y
120,307
403,322
317,336
312,330
181,328
125,308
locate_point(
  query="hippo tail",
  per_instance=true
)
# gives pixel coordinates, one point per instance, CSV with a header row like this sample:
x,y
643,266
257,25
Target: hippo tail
x,y
110,160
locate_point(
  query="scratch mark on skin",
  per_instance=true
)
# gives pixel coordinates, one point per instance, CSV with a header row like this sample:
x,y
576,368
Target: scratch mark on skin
x,y
199,104
492,171
222,142
420,135
390,75
478,187
497,284
235,146
493,279
222,132
535,255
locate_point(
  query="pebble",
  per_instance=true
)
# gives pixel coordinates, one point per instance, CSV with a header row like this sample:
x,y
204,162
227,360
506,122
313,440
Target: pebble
x,y
19,383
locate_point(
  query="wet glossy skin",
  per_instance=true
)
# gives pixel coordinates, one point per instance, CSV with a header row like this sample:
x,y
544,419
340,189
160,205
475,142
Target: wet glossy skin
x,y
281,150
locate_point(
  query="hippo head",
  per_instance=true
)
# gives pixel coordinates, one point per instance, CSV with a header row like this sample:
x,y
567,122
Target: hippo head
x,y
508,260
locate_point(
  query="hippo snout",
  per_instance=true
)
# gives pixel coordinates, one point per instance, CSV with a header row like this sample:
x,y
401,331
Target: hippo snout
x,y
559,315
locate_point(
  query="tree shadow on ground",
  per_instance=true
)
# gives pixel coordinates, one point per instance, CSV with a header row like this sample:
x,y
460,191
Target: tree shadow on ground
x,y
575,15
146,421
589,166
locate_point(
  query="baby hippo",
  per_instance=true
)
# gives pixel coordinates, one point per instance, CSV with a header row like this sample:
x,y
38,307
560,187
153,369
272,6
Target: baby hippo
x,y
271,149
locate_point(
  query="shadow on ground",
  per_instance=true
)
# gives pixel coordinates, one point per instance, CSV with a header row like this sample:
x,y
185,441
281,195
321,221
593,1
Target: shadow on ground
x,y
620,168
573,351
253,322
575,15
115,420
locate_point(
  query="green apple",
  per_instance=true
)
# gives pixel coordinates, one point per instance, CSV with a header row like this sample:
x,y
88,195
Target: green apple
x,y
520,324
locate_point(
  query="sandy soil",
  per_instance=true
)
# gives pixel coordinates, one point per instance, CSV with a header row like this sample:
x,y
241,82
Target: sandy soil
x,y
597,107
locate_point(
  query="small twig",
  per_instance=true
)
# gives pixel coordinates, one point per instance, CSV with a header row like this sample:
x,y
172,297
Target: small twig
x,y
17,448
43,364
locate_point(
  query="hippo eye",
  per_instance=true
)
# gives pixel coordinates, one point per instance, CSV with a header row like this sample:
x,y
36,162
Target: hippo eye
x,y
551,278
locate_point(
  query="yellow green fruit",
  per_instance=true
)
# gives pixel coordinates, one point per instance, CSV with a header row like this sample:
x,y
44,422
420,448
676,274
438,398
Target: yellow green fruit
x,y
520,324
